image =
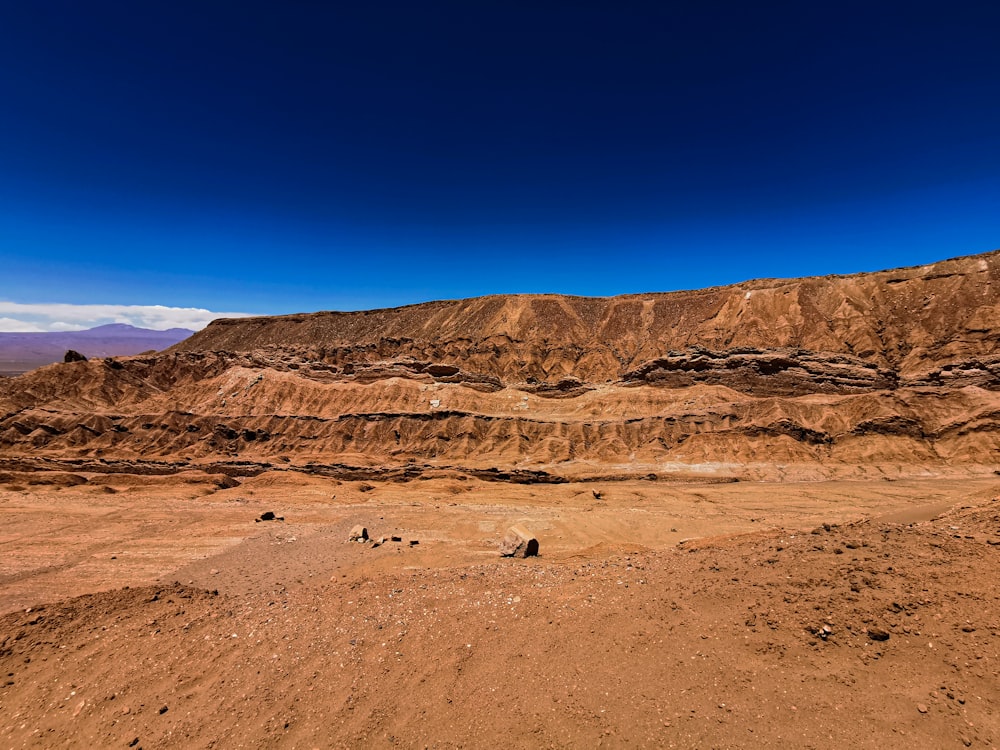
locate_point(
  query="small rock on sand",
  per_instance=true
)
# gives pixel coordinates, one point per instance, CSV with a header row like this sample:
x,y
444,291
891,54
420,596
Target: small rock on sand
x,y
518,543
358,534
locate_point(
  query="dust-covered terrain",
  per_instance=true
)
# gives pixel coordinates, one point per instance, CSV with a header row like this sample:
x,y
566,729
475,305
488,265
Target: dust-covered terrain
x,y
767,514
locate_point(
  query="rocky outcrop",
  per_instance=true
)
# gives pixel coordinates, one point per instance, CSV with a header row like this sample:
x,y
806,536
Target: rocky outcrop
x,y
546,389
771,372
907,320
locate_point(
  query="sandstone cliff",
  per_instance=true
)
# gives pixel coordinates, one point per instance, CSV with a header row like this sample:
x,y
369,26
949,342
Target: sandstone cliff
x,y
887,374
934,321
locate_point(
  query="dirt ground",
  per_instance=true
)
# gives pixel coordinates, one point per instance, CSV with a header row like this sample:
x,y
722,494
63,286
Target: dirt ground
x,y
768,516
155,612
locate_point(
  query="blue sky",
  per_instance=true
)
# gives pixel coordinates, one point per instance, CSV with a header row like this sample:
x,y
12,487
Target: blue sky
x,y
281,157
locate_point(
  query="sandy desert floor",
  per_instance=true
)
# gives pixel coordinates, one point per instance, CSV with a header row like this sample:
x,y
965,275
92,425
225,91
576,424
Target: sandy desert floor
x,y
768,516
155,612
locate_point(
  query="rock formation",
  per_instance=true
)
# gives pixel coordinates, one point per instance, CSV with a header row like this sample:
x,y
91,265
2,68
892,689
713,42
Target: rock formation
x,y
883,374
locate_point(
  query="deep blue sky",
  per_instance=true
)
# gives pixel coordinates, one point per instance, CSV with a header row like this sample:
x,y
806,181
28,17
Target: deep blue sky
x,y
284,156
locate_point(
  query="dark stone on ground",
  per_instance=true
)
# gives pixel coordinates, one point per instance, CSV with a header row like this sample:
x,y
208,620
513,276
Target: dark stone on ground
x,y
358,534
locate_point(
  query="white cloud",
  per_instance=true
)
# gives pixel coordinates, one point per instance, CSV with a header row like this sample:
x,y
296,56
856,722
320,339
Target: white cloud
x,y
18,326
37,317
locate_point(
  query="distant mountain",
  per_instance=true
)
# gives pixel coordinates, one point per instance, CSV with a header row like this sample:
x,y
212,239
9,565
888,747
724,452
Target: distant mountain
x,y
20,352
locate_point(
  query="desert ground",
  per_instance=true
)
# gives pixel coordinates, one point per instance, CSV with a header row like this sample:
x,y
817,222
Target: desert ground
x,y
768,515
687,615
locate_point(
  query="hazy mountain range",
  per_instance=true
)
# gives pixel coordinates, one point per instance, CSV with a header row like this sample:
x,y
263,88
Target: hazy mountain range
x,y
20,352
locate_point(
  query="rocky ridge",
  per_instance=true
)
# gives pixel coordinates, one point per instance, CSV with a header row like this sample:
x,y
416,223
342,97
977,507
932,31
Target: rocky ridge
x,y
887,374
911,320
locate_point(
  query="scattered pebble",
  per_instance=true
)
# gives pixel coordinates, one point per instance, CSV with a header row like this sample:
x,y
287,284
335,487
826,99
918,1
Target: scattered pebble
x,y
358,534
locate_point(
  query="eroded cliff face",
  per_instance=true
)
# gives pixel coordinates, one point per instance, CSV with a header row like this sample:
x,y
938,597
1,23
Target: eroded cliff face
x,y
886,374
911,321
